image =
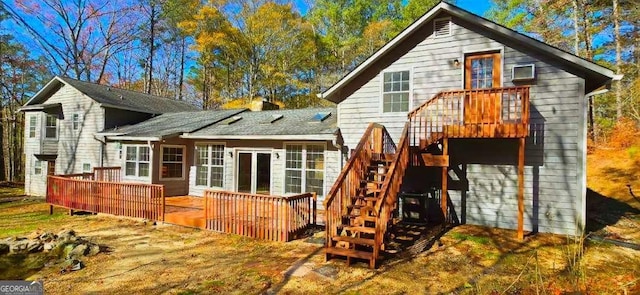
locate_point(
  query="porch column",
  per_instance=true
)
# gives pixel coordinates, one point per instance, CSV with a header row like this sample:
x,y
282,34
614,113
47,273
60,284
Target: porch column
x,y
521,189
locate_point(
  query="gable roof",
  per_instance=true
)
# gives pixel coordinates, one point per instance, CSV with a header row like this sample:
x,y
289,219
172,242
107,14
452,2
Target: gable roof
x,y
295,124
333,93
111,97
170,124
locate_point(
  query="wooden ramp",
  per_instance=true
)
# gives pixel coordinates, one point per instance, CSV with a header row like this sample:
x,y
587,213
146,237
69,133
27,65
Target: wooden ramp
x,y
185,211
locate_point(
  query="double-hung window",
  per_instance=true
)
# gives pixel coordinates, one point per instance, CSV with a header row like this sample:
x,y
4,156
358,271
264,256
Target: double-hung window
x,y
37,167
395,91
32,125
137,161
304,168
172,162
51,127
75,121
209,160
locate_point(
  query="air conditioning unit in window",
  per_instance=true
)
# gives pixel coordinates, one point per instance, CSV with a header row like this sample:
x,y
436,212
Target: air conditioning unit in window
x,y
523,72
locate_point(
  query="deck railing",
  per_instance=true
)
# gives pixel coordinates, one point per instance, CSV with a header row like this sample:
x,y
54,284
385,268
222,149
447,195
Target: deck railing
x,y
122,199
388,200
471,113
263,217
111,174
375,141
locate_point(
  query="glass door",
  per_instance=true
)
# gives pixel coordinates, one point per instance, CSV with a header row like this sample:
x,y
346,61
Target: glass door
x,y
254,172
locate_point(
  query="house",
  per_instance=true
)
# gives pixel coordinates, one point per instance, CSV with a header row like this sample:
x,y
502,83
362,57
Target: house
x,y
485,123
495,128
62,121
271,152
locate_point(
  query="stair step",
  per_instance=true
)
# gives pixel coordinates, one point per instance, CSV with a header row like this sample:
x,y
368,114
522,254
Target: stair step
x,y
362,229
371,181
349,253
355,206
352,240
365,218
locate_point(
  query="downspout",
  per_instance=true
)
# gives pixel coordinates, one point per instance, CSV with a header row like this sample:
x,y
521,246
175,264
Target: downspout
x,y
103,143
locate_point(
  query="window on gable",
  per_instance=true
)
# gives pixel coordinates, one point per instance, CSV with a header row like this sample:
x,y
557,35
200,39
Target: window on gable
x,y
32,126
304,168
395,92
51,127
209,161
75,121
137,160
442,27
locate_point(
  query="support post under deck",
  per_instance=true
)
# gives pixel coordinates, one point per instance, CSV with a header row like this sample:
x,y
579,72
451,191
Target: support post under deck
x,y
521,189
445,178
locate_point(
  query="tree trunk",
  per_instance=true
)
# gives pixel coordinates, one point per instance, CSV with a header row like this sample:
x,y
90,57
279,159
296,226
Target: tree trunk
x,y
576,28
182,55
152,37
616,27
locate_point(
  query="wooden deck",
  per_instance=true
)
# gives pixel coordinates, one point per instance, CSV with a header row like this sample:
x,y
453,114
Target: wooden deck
x,y
185,211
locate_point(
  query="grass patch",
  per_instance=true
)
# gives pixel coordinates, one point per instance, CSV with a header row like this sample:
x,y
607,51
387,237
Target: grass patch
x,y
476,239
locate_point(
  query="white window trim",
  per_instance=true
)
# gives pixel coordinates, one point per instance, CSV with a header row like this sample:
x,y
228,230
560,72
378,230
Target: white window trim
x,y
161,160
73,121
304,169
44,127
450,26
90,167
381,101
34,166
533,72
137,161
33,125
481,51
209,153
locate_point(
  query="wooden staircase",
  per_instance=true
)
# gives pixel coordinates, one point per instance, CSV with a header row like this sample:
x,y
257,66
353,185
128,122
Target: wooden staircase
x,y
357,229
361,206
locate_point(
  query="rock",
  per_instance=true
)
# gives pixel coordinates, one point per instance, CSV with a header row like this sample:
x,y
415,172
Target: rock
x,y
47,237
48,246
79,251
4,248
34,235
94,250
67,235
66,250
18,246
70,265
34,246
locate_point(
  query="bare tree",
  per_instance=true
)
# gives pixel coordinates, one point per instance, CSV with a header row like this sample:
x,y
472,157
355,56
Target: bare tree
x,y
79,37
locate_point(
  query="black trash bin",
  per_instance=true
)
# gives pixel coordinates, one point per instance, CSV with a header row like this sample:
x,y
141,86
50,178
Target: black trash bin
x,y
414,207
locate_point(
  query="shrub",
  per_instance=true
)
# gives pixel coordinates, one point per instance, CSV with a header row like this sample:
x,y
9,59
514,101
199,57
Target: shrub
x,y
624,134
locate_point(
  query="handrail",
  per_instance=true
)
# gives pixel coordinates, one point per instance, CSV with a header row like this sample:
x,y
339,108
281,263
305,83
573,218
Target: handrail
x,y
347,167
375,140
471,113
390,189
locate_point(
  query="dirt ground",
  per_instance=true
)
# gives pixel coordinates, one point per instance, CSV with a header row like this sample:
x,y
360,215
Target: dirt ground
x,y
161,259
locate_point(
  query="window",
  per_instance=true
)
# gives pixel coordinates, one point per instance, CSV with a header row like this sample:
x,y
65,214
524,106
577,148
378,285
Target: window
x,y
37,167
209,161
395,92
32,126
137,161
75,121
86,167
51,127
172,162
304,168
523,72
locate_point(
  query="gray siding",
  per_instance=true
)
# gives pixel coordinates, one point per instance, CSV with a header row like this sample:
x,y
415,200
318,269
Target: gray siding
x,y
555,153
73,147
276,148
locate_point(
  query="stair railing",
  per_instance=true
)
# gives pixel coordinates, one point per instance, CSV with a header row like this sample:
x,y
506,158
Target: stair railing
x,y
468,113
388,200
374,141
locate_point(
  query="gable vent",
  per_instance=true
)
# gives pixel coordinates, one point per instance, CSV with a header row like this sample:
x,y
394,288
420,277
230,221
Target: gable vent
x,y
442,27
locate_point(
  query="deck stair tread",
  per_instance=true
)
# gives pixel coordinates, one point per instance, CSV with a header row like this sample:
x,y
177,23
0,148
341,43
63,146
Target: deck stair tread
x,y
354,240
349,253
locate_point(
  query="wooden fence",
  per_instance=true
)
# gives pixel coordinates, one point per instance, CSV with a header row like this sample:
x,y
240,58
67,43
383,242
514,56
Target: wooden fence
x,y
111,174
259,216
122,199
